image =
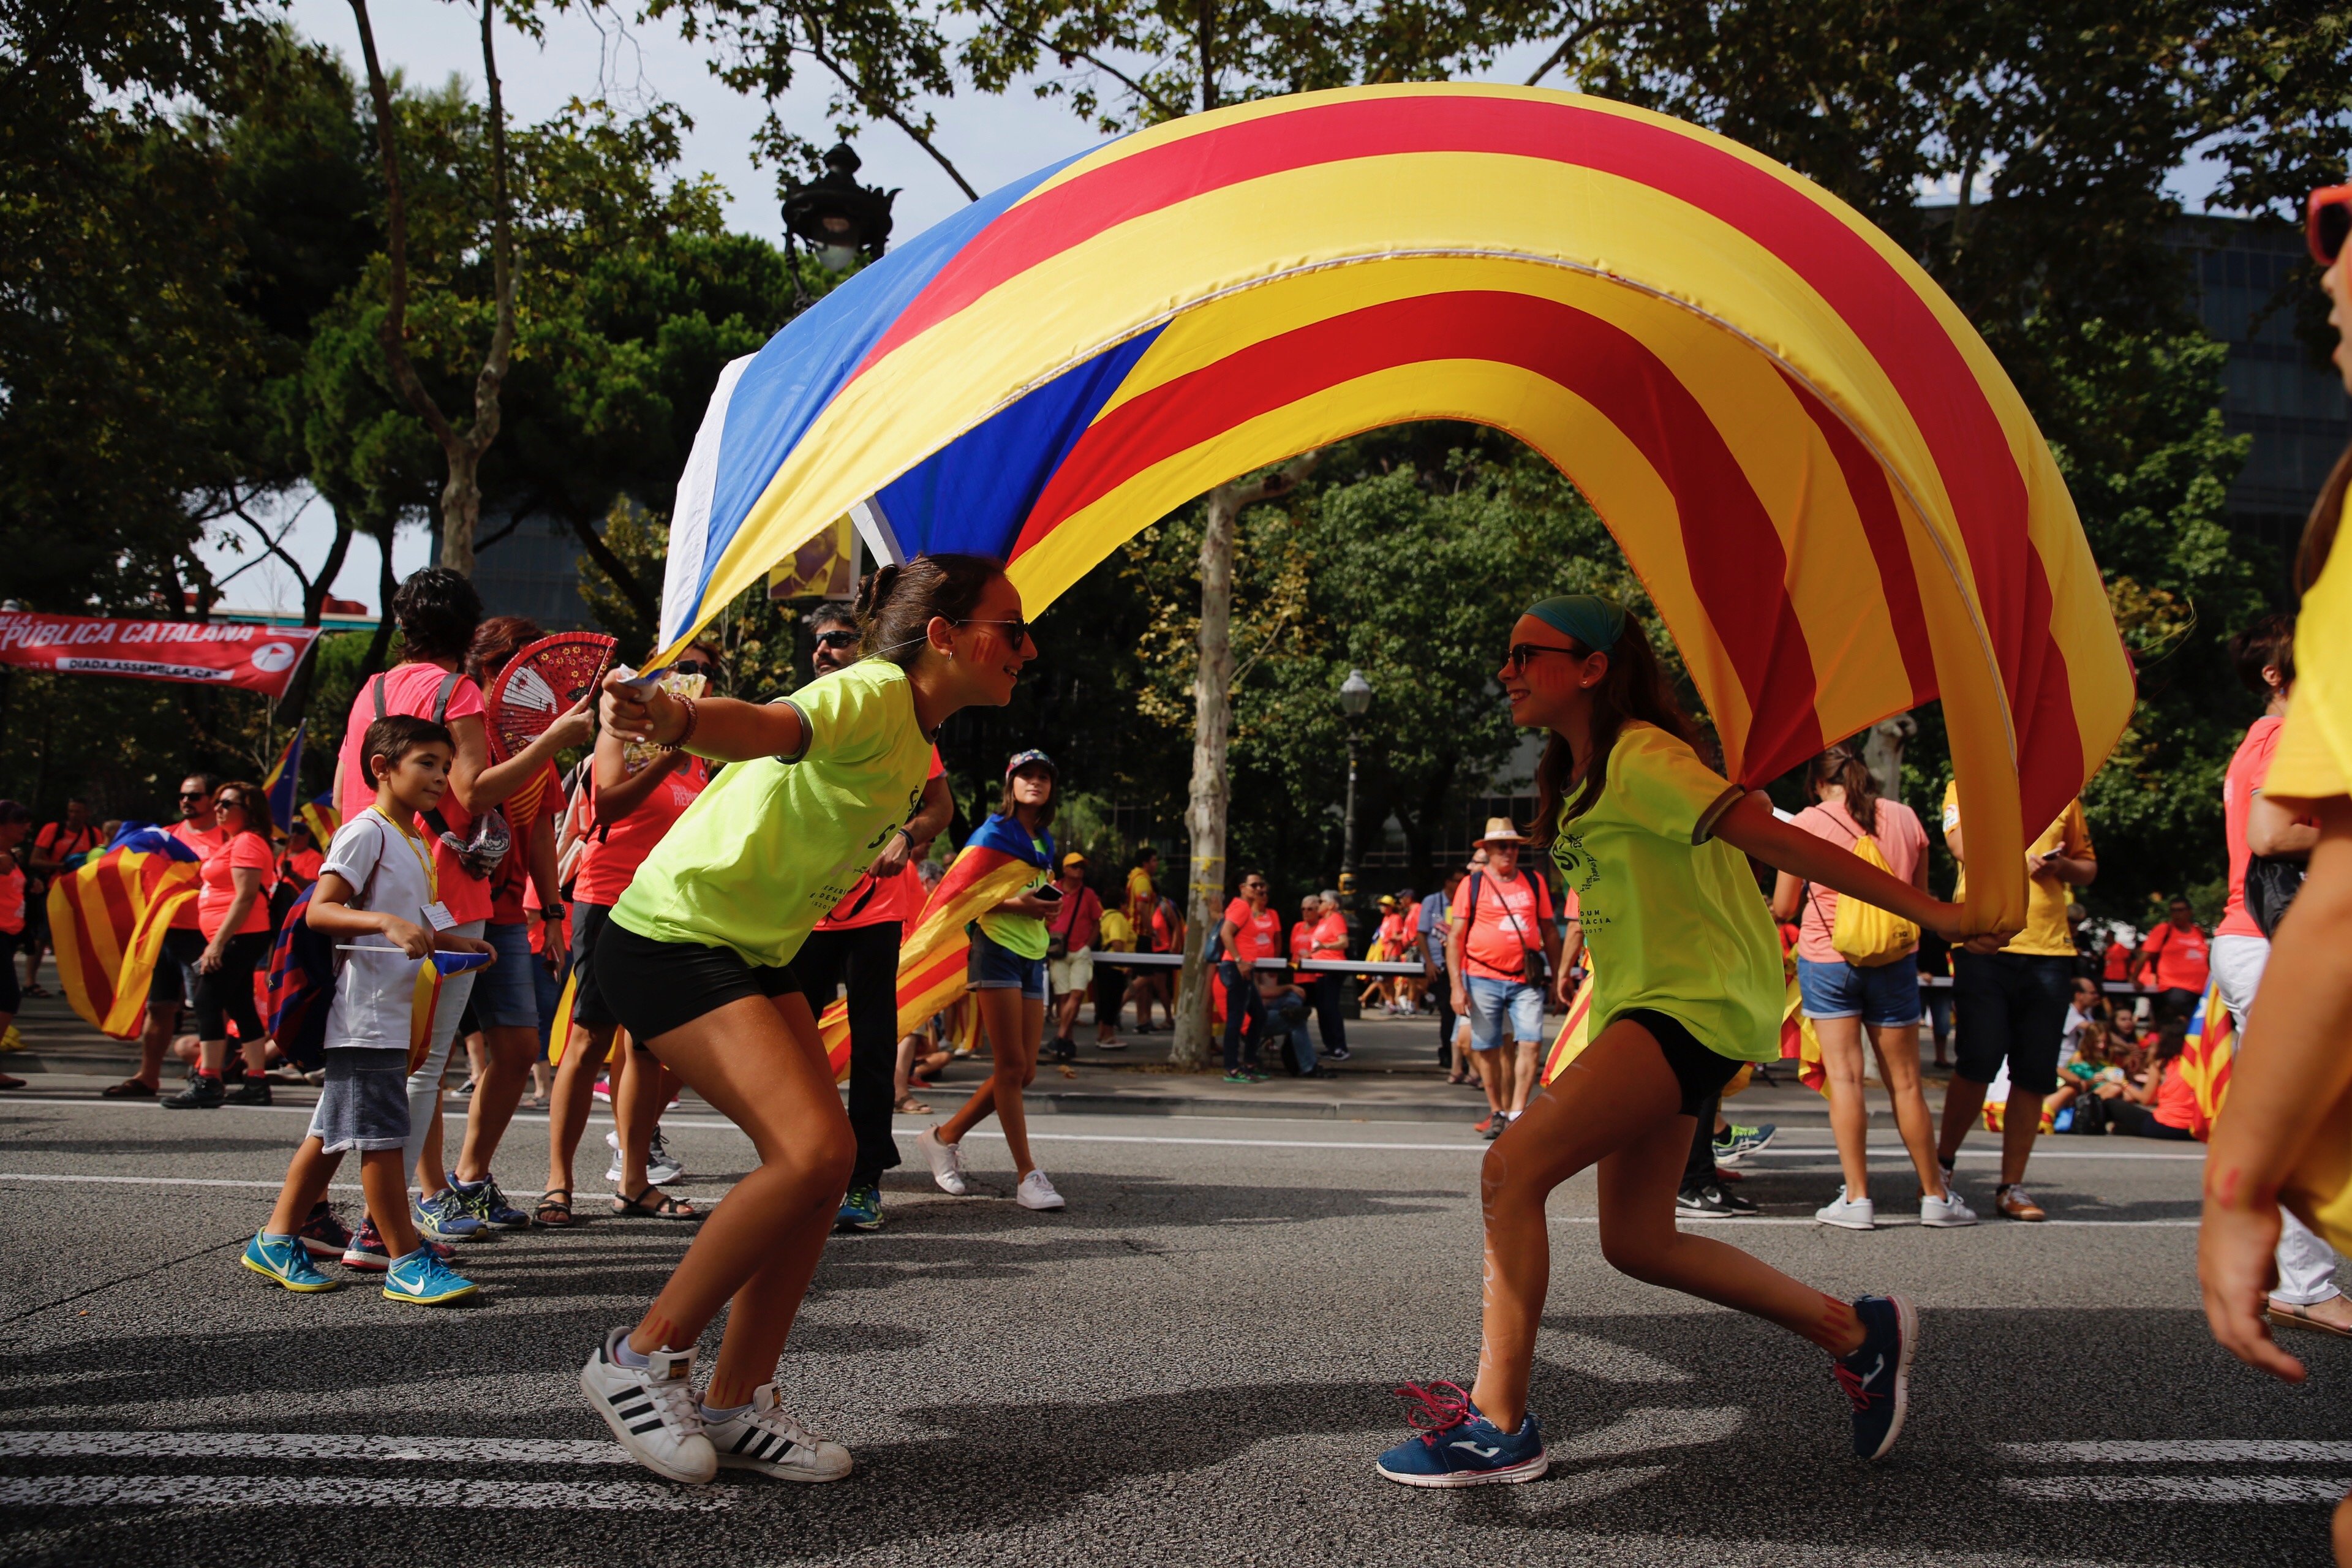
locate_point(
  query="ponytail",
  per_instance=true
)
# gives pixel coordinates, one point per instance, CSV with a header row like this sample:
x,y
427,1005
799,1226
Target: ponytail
x,y
896,604
1842,767
1633,688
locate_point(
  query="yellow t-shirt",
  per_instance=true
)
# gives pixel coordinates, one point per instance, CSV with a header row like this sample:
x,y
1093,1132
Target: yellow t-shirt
x,y
768,849
1139,894
2313,761
1115,932
1674,918
2045,934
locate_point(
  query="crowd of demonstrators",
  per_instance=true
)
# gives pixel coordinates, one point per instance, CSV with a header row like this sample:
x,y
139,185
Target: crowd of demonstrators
x,y
1856,974
15,822
1503,959
1008,975
1070,935
57,847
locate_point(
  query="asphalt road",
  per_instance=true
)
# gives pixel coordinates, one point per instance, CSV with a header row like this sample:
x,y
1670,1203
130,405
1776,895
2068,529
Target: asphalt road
x,y
1191,1364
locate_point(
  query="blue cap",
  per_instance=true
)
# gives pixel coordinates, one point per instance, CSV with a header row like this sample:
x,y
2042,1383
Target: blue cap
x,y
1588,618
1031,758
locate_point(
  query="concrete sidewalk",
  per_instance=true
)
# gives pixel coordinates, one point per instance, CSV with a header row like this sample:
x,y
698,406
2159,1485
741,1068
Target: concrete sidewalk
x,y
1392,1076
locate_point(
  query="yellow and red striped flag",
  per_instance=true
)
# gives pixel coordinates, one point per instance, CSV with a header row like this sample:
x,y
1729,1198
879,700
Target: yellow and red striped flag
x,y
108,918
2206,1058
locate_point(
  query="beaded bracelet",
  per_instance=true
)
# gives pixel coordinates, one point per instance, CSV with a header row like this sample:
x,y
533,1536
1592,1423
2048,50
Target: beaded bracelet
x,y
693,716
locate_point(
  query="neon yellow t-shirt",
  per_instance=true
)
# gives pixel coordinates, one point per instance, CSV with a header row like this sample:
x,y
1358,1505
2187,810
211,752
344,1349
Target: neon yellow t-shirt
x,y
2045,934
1024,934
2313,761
1116,932
1674,918
768,849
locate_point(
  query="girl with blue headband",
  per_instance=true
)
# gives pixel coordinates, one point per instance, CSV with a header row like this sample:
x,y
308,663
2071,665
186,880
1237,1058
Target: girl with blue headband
x,y
1687,989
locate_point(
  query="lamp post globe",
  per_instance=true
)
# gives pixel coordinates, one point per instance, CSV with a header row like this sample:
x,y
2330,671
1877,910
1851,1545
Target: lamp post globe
x,y
839,218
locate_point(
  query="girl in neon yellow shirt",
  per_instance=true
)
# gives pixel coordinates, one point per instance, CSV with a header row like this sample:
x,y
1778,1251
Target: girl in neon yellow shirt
x,y
1687,986
696,964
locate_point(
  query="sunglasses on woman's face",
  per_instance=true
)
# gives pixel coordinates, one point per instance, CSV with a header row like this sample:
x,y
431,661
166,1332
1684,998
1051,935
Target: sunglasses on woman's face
x,y
1517,660
2327,223
1017,631
696,667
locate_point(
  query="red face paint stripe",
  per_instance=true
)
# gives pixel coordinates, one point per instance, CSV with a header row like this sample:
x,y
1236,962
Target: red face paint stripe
x,y
1911,345
1881,524
1728,541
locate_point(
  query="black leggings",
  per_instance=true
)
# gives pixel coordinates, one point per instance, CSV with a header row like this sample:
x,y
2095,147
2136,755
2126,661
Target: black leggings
x,y
229,990
2140,1121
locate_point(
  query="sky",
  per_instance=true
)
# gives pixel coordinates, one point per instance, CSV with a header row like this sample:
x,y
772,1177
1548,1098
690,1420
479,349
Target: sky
x,y
992,140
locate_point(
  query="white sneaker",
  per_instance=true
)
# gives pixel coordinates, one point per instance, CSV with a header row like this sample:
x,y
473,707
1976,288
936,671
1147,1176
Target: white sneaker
x,y
1854,1213
652,1410
1947,1212
947,1161
765,1439
1036,1193
662,1167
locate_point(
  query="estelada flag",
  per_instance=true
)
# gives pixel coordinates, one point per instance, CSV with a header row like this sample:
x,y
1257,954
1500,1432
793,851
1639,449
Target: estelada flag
x,y
285,779
108,918
323,818
996,863
2206,1058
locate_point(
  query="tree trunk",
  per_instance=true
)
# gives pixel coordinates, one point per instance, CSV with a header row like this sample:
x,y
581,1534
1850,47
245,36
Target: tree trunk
x,y
461,507
1204,817
386,585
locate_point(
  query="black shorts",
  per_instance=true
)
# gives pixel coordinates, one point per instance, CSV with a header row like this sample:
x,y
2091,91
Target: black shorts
x,y
588,1008
2011,1007
654,988
1701,1072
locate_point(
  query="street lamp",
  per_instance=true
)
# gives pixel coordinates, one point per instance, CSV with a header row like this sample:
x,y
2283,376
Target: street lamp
x,y
1355,700
838,217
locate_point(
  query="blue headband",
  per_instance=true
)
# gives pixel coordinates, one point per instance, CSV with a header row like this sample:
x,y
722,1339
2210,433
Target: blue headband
x,y
1592,620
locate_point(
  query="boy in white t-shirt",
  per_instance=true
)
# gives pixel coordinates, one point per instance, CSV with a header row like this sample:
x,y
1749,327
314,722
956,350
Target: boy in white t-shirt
x,y
376,894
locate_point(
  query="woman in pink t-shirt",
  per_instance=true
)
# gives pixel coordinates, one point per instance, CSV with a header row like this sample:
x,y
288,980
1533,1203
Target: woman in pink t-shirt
x,y
15,822
1841,998
233,914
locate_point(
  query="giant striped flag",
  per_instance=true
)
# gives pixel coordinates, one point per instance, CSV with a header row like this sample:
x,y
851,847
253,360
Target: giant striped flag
x,y
108,918
996,863
1829,486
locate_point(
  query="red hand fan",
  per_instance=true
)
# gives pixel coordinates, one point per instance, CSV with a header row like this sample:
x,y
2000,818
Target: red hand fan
x,y
542,683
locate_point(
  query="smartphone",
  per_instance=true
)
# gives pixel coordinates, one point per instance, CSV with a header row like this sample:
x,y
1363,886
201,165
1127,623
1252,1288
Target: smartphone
x,y
1050,893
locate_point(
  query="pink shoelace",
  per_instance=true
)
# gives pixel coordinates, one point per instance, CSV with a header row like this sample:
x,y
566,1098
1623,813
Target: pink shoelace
x,y
1850,1381
1434,1412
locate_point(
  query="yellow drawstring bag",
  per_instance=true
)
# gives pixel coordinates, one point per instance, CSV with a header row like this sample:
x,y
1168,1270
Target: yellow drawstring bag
x,y
1865,935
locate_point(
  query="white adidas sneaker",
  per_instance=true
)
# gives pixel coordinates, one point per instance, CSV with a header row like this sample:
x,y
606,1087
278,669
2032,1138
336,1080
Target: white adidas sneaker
x,y
1848,1214
1036,1193
947,1161
652,1410
765,1439
1947,1213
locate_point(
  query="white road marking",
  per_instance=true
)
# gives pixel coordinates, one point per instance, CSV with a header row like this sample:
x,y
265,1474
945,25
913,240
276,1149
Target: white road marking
x,y
2178,1488
2182,1451
62,1445
1727,1227
345,1491
149,1181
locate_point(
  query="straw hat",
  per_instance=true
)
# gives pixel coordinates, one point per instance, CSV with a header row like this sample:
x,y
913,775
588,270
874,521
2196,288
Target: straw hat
x,y
1502,830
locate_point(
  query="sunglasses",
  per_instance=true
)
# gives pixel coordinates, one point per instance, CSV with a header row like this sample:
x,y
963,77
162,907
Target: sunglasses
x,y
1517,660
192,794
837,639
695,667
2327,223
1017,631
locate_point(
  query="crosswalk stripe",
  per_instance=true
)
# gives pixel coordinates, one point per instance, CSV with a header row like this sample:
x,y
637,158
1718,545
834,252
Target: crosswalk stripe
x,y
344,1491
310,1446
2178,1488
2183,1451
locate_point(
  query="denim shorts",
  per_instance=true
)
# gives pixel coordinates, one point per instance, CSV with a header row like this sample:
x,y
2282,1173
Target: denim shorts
x,y
504,997
1492,1001
364,1104
996,967
1884,996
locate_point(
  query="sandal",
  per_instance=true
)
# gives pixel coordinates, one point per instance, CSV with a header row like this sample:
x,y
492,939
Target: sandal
x,y
910,1106
554,1209
129,1089
34,988
668,1208
2293,1315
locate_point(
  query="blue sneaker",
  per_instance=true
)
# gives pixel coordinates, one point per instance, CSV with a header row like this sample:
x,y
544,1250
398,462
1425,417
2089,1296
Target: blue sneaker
x,y
1878,1377
861,1209
285,1263
424,1280
324,1235
443,1218
1734,1144
485,1202
1454,1446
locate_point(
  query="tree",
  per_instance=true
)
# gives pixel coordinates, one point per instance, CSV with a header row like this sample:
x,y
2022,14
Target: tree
x,y
461,495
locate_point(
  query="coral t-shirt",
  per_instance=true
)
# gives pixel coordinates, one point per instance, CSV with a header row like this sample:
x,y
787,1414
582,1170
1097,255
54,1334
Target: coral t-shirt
x,y
204,841
616,849
1510,919
217,887
2249,767
2182,962
1901,840
410,689
12,901
1259,931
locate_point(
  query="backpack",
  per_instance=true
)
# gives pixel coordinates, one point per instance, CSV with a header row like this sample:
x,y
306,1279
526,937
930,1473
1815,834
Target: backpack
x,y
486,842
302,984
1863,934
1535,968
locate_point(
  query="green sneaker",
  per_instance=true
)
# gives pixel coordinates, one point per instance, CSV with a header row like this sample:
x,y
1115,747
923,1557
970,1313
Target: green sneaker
x,y
861,1209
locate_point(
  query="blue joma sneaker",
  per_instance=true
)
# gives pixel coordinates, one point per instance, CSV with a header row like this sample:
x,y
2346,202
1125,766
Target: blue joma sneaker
x,y
285,1263
1878,1377
861,1209
443,1218
1734,1144
424,1280
1454,1446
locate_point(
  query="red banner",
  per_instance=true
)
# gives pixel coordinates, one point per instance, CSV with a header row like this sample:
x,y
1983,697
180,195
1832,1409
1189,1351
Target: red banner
x,y
221,653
